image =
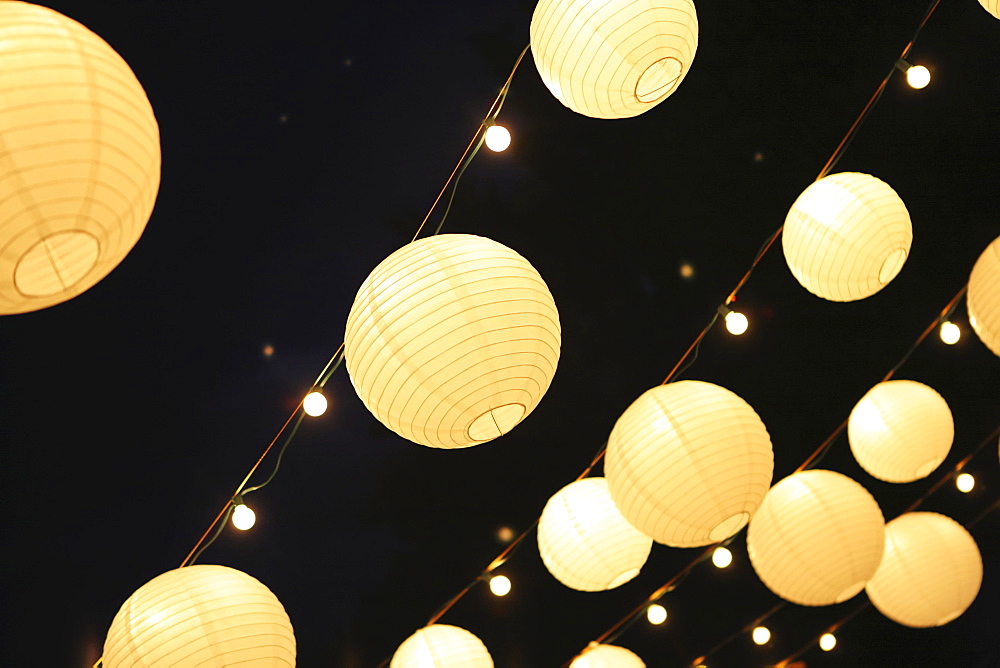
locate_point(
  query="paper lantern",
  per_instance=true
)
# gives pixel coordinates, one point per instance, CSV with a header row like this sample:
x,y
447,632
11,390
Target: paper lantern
x,y
201,615
817,538
688,463
585,542
607,656
613,59
452,340
846,236
442,646
80,159
983,298
992,6
900,431
930,573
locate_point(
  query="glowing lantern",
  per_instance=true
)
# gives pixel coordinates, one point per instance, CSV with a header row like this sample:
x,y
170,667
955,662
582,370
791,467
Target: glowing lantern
x,y
992,6
613,59
688,463
80,165
930,573
607,656
983,298
201,615
442,646
817,538
900,431
846,236
585,542
452,340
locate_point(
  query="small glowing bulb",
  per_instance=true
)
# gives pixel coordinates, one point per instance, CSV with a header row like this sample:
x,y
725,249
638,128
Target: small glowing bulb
x,y
656,614
736,323
243,517
686,270
500,585
722,557
497,138
761,635
827,641
965,482
950,333
918,76
505,534
314,404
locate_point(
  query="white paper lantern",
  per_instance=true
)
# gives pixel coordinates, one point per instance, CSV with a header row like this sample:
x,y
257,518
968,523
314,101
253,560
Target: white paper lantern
x,y
817,538
846,236
80,158
900,431
616,58
201,615
585,542
992,6
983,298
442,646
452,340
688,463
607,656
931,571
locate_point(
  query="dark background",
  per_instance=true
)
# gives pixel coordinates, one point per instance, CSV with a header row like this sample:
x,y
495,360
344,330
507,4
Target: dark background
x,y
303,142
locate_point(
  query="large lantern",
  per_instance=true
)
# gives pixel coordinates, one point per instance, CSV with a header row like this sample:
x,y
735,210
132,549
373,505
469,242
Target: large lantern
x,y
201,616
846,236
442,646
983,299
992,6
79,158
452,340
585,542
607,656
930,573
900,431
688,463
817,538
613,59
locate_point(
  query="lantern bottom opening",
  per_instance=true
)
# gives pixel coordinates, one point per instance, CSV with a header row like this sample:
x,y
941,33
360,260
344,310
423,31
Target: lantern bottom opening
x,y
496,422
729,526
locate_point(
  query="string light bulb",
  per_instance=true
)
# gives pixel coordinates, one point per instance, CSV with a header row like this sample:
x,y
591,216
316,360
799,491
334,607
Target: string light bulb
x,y
761,635
950,332
500,585
243,517
722,557
918,76
497,138
827,641
314,404
656,614
736,323
965,482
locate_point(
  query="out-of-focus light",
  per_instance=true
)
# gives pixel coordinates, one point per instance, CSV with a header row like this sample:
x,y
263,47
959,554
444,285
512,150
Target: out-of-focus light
x,y
656,614
736,323
267,351
918,76
500,585
505,534
761,635
686,270
243,517
497,138
965,482
722,557
314,404
827,641
950,333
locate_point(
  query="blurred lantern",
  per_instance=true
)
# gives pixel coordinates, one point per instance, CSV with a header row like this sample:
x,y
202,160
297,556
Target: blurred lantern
x,y
584,541
688,463
607,656
930,573
452,340
613,59
992,6
817,538
81,158
983,298
900,431
846,236
201,615
442,646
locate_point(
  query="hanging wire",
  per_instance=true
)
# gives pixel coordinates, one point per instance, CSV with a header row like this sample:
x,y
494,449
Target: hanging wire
x,y
743,630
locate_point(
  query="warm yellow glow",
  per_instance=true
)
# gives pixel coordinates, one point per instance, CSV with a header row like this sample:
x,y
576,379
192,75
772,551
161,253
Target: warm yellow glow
x,y
442,645
497,138
505,534
686,270
500,585
736,322
827,641
965,482
314,404
243,517
656,614
950,333
722,557
918,76
761,635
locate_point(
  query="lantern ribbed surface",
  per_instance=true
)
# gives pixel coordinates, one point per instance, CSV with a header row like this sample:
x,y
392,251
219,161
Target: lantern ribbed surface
x,y
931,571
202,615
688,463
846,236
900,431
452,340
442,646
584,541
79,158
992,6
607,656
983,298
817,538
613,58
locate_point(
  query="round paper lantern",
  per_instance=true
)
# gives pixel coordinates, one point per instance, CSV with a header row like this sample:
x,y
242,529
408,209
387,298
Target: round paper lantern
x,y
442,646
201,616
688,463
613,59
900,431
992,6
585,542
983,297
80,158
452,340
817,538
930,573
607,656
846,236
